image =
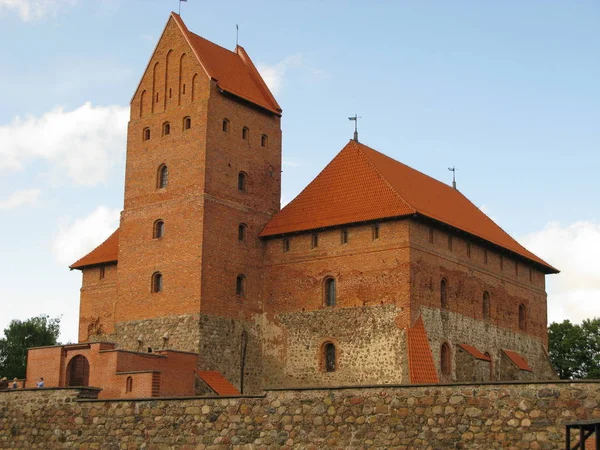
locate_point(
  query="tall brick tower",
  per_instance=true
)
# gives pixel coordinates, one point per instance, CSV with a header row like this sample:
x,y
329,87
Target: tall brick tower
x,y
202,180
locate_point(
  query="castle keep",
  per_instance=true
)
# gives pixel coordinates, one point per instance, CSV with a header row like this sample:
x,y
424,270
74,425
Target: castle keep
x,y
374,274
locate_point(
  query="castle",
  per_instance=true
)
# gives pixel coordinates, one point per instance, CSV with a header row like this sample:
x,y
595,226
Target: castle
x,y
374,274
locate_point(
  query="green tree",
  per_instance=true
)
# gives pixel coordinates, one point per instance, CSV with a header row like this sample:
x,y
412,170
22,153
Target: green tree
x,y
21,335
574,350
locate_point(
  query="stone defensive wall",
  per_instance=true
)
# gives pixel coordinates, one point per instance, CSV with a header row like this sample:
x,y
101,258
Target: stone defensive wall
x,y
514,415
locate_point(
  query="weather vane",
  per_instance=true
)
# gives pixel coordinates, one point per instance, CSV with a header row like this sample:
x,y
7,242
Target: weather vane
x,y
355,118
180,5
453,170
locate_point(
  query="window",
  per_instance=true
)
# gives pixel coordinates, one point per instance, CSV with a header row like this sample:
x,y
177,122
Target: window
x,y
240,285
264,140
129,384
522,317
163,177
468,249
329,291
344,236
445,362
485,256
329,357
166,128
375,232
170,92
486,306
159,229
183,89
157,97
314,240
102,272
187,123
431,235
225,125
444,294
242,182
242,232
450,243
146,134
245,132
157,282
286,245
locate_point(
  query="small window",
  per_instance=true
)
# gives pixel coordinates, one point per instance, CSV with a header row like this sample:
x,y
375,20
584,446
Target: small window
x,y
163,177
522,317
450,243
146,134
183,89
102,272
225,125
166,128
444,294
485,256
245,132
264,140
129,384
330,293
157,284
187,123
242,228
314,240
159,229
240,286
468,249
242,182
431,235
170,92
286,245
445,362
375,232
486,306
329,357
344,236
157,97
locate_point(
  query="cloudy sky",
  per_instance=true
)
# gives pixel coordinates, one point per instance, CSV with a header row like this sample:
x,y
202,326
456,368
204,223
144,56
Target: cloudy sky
x,y
505,91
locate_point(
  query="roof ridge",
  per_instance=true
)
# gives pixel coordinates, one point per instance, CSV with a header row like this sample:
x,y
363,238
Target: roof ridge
x,y
256,75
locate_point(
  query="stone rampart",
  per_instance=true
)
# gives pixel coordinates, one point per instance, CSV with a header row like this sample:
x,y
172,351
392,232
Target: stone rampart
x,y
475,416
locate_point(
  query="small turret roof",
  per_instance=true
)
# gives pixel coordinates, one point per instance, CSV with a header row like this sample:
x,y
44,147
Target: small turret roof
x,y
105,253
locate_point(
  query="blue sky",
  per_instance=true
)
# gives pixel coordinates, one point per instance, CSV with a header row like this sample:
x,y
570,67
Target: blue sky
x,y
505,91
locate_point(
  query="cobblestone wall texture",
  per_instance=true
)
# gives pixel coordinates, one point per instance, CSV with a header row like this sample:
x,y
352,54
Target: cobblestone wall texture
x,y
510,416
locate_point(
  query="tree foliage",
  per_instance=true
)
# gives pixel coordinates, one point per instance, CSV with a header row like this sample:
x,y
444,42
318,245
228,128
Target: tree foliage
x,y
574,350
21,335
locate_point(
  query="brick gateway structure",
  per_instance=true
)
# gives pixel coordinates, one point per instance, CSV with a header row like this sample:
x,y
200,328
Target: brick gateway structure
x,y
374,274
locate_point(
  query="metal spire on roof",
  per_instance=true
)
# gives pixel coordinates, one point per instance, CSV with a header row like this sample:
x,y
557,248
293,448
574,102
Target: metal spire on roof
x,y
355,118
237,34
453,170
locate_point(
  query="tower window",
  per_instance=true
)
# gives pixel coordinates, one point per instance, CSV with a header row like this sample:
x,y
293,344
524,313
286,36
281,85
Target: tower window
x,y
264,140
225,125
157,284
445,362
314,240
522,317
102,272
468,249
242,228
329,357
245,133
157,97
330,293
129,384
183,89
163,177
242,182
431,235
286,245
486,306
444,294
375,232
187,123
344,236
166,128
159,229
450,243
146,134
240,286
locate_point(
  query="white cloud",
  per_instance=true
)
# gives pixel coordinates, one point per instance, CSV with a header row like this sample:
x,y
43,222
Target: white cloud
x,y
20,198
35,9
86,142
291,162
78,237
274,74
573,294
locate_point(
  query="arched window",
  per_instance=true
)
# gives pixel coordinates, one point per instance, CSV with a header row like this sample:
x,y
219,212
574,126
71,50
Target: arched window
x,y
329,357
242,228
240,285
242,182
245,133
166,128
225,125
187,122
522,317
445,362
264,140
146,134
163,177
486,305
159,229
129,384
444,294
78,371
157,282
330,293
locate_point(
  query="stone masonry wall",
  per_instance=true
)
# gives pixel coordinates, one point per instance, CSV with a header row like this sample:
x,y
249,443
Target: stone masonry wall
x,y
510,416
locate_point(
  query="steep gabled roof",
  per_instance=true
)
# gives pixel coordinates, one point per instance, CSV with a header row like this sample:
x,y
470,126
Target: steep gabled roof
x,y
420,359
474,352
517,360
107,252
218,383
361,184
234,72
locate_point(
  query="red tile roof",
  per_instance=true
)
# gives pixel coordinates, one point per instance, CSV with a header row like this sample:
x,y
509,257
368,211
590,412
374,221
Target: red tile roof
x,y
107,252
234,72
517,359
474,352
420,360
361,184
218,383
